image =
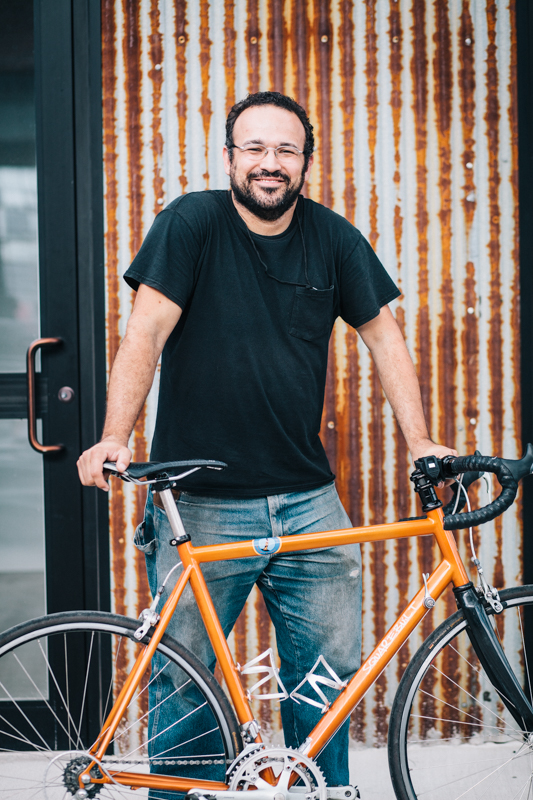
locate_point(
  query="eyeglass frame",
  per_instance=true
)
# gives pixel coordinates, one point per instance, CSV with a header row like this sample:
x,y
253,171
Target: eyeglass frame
x,y
275,149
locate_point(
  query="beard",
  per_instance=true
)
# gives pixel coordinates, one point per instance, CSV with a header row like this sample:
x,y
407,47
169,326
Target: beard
x,y
266,203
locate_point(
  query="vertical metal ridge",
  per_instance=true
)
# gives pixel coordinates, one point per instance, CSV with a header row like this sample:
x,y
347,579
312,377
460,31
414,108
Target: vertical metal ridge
x,y
494,343
205,64
117,511
156,79
132,51
253,43
263,627
298,42
347,57
275,39
230,36
182,96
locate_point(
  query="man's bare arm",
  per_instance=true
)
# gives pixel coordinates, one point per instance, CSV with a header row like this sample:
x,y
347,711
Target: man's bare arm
x,y
153,318
397,374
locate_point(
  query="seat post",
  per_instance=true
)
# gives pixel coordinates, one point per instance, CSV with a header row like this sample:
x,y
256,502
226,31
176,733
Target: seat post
x,y
173,514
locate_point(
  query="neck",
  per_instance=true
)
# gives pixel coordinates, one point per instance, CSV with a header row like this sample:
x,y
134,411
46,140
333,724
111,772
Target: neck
x,y
263,226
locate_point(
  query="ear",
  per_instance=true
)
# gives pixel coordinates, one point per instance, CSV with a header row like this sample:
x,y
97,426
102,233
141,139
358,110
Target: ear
x,y
308,170
227,162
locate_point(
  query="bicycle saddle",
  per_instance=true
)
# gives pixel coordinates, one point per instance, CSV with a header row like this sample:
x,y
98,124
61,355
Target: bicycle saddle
x,y
161,469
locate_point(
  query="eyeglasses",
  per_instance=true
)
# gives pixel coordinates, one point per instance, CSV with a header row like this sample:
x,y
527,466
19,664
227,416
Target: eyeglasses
x,y
257,152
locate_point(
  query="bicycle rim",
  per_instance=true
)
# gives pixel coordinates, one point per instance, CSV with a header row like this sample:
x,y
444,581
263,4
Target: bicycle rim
x,y
59,676
450,735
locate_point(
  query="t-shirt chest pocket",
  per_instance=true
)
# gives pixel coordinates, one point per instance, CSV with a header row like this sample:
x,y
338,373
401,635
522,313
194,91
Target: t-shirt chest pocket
x,y
312,311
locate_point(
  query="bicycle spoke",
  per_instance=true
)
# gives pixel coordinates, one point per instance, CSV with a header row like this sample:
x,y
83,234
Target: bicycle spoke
x,y
84,695
475,699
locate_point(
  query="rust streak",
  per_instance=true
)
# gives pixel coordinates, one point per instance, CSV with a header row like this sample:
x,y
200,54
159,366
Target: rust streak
x,y
275,45
109,56
230,36
470,332
205,63
446,335
377,486
515,313
262,621
253,36
181,70
323,34
401,494
156,78
494,344
346,43
299,37
132,53
419,70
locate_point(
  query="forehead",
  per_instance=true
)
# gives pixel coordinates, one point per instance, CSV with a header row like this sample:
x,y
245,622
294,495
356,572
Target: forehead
x,y
269,124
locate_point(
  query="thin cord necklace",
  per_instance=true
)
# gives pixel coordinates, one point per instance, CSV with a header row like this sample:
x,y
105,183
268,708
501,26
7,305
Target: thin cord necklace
x,y
307,285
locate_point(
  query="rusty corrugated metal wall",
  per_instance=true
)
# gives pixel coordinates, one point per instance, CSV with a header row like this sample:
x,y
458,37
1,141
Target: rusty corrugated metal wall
x,y
414,107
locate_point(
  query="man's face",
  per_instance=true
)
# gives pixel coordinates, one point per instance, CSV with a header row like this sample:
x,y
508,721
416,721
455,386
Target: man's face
x,y
267,188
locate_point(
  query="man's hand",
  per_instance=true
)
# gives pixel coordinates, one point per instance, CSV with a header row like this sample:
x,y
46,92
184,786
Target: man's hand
x,y
90,463
427,447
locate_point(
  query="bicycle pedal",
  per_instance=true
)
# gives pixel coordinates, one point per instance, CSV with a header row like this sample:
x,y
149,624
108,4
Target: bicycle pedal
x,y
343,793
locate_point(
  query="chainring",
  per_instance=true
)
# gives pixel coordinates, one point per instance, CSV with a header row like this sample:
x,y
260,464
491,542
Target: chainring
x,y
284,763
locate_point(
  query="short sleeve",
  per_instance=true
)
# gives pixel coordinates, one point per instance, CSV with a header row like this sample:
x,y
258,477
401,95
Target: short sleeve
x,y
364,284
168,258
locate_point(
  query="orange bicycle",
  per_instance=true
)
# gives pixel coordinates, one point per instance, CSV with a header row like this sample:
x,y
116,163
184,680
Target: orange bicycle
x,y
73,686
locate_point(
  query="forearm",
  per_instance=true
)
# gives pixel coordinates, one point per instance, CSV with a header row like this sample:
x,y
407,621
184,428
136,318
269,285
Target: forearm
x,y
130,381
400,383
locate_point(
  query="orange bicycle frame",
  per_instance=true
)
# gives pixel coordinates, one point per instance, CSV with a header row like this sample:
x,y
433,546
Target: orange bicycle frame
x,y
449,570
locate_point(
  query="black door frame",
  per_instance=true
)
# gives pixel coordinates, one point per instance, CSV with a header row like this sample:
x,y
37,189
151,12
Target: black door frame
x,y
71,253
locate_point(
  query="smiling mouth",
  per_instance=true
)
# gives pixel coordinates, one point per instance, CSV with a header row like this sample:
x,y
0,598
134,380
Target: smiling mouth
x,y
269,179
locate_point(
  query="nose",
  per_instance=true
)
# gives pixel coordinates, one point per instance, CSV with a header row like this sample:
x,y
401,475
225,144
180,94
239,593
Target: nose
x,y
270,161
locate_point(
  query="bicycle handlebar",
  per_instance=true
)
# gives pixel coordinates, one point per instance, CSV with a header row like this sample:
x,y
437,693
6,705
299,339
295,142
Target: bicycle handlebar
x,y
507,471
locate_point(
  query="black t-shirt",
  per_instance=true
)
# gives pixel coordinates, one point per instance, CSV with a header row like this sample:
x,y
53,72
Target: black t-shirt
x,y
243,373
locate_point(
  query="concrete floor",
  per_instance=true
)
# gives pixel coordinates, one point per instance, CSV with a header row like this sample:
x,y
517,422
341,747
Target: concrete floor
x,y
369,770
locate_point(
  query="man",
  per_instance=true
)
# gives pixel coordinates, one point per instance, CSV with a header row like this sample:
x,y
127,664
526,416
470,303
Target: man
x,y
239,290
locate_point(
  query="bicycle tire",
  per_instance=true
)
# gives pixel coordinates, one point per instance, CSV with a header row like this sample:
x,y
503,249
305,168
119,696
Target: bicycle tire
x,y
445,700
47,724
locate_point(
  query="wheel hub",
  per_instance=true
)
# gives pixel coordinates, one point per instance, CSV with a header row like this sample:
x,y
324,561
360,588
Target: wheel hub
x,y
71,777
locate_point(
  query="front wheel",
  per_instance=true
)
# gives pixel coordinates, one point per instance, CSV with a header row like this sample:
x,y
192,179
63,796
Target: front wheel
x,y
450,736
59,677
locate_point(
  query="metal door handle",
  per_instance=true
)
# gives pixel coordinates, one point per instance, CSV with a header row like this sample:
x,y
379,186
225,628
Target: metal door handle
x,y
32,403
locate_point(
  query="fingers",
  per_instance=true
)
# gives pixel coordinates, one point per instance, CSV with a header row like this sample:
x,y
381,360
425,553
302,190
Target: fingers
x,y
90,463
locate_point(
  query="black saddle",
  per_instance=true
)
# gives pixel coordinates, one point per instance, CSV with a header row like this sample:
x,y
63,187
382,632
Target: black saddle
x,y
161,470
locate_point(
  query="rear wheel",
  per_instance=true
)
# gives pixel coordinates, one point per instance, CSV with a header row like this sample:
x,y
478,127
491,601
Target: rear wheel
x,y
450,735
59,677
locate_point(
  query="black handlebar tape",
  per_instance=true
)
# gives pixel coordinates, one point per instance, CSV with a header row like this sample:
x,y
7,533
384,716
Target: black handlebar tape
x,y
468,479
492,510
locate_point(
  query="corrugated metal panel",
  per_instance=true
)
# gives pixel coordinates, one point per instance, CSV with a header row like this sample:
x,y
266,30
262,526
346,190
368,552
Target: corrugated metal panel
x,y
415,113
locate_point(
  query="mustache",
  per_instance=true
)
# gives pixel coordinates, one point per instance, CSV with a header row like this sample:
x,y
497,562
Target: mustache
x,y
263,173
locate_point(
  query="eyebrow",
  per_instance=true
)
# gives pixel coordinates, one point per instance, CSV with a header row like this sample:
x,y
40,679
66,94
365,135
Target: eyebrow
x,y
260,141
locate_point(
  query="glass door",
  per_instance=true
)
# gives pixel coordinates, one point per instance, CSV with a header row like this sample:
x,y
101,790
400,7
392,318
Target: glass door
x,y
22,556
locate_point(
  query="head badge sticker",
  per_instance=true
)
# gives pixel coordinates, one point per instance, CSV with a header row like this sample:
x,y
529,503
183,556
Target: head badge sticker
x,y
266,547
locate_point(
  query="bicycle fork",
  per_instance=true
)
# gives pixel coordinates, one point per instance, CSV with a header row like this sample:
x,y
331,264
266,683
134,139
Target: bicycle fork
x,y
491,656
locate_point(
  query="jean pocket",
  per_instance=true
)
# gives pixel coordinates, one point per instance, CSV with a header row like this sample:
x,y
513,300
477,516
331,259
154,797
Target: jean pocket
x,y
312,313
140,540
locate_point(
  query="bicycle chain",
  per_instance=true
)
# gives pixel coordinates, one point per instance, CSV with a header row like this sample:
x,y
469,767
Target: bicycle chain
x,y
163,762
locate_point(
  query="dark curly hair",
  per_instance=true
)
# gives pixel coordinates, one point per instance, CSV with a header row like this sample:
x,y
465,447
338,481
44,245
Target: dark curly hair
x,y
271,99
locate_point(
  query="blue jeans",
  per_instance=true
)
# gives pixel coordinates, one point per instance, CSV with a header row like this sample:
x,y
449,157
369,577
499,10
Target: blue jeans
x,y
313,598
